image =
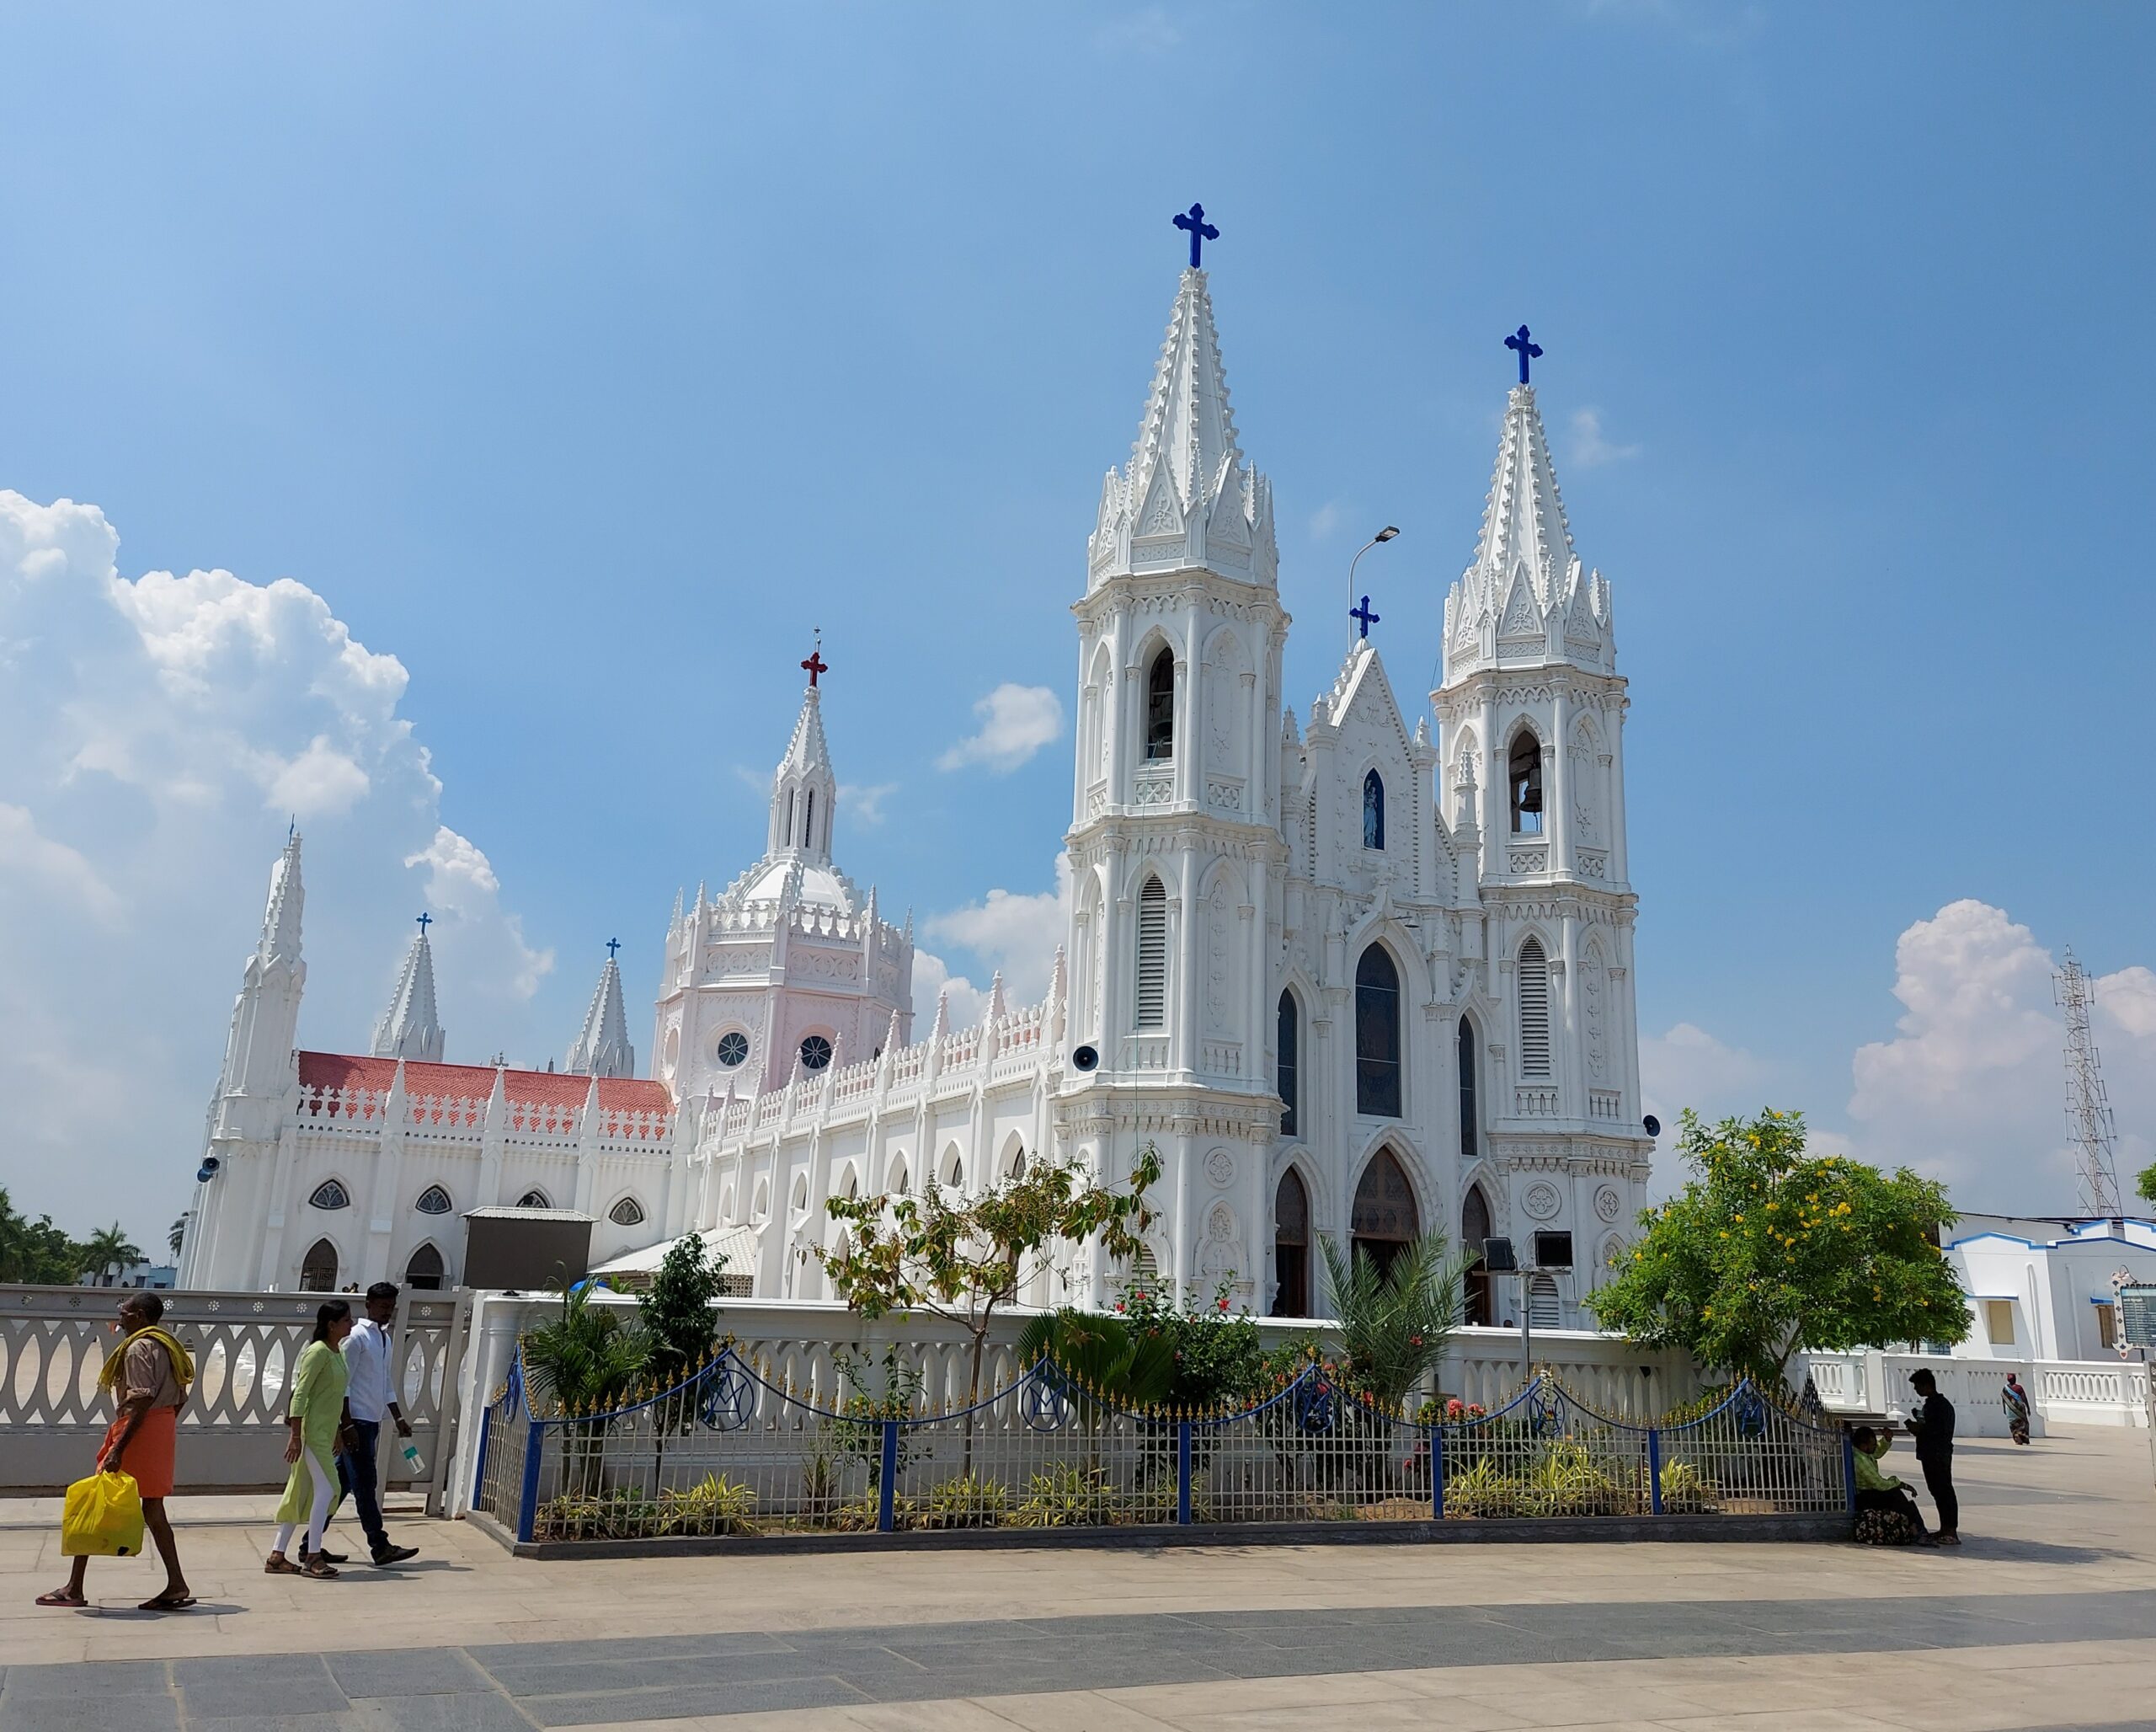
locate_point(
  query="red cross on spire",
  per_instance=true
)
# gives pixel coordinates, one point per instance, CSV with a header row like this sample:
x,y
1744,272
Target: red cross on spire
x,y
815,664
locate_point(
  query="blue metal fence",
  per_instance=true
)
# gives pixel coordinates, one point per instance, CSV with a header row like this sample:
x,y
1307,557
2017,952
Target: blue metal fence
x,y
727,1451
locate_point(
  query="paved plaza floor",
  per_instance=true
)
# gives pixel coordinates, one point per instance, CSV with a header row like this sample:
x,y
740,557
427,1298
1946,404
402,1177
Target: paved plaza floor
x,y
2046,1618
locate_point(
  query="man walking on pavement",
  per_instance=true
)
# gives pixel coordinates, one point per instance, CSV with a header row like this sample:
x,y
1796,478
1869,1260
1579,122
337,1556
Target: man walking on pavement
x,y
1932,1426
369,1400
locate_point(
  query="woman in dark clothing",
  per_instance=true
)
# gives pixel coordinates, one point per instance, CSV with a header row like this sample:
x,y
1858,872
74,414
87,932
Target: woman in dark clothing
x,y
1932,1425
2015,1400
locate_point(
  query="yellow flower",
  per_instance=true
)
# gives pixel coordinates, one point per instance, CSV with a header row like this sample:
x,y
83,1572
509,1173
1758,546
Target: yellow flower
x,y
1771,1207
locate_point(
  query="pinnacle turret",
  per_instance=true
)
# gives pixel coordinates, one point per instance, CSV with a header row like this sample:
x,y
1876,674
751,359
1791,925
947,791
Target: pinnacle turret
x,y
280,914
804,789
601,1047
409,1028
1188,497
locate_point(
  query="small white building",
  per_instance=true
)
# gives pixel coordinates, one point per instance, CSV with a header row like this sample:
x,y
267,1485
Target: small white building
x,y
2043,1287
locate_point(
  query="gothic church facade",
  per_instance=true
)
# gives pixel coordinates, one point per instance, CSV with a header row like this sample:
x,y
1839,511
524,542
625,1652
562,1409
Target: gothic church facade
x,y
1353,977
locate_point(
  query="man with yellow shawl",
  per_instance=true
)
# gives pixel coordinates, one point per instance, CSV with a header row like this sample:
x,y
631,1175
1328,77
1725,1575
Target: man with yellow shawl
x,y
148,1376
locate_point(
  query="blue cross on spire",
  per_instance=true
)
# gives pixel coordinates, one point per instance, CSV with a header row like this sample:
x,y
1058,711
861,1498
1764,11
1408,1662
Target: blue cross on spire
x,y
612,945
1363,614
1201,230
1529,350
426,920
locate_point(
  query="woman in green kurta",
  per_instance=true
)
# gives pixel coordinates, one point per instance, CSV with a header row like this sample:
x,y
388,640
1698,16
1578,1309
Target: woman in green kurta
x,y
316,1415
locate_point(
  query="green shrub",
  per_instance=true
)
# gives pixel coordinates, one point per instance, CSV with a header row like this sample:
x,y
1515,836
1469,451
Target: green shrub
x,y
714,1504
1685,1491
967,1500
1482,1491
1068,1497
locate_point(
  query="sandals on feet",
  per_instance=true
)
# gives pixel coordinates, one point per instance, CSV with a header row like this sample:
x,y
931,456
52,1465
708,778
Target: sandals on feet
x,y
172,1600
62,1596
319,1570
279,1566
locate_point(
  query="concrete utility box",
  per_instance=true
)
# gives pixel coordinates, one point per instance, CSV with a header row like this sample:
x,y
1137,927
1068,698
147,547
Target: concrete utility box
x,y
527,1249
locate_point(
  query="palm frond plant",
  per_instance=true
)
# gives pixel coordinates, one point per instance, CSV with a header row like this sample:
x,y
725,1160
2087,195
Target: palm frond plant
x,y
583,1363
1395,1324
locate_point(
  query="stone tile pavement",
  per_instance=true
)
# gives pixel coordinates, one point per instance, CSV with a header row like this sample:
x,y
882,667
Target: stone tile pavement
x,y
2046,1618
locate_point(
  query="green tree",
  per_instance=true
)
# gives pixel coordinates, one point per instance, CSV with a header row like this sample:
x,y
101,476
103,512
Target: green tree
x,y
35,1251
1395,1323
584,1360
177,1238
2145,1186
676,1312
962,1258
107,1252
1214,1354
1767,1250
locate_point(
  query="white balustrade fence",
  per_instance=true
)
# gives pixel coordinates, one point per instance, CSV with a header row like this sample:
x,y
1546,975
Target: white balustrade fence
x,y
53,1344
2060,1392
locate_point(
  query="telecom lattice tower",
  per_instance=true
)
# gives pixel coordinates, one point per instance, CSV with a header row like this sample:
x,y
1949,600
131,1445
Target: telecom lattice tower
x,y
2088,1113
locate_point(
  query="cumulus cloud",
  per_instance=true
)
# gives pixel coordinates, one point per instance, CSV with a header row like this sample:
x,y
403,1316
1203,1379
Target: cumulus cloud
x,y
964,1004
1591,448
1011,931
1325,520
1015,722
162,729
1972,1086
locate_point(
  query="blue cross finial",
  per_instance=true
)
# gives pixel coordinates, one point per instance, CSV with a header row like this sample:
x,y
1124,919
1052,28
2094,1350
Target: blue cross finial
x,y
1201,230
1528,350
612,945
426,920
1363,614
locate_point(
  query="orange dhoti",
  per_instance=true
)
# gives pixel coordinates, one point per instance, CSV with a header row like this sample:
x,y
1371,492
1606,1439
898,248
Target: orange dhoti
x,y
150,1452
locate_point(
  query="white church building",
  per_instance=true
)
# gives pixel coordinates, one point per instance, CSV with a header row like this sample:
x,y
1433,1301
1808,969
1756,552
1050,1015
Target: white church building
x,y
1357,976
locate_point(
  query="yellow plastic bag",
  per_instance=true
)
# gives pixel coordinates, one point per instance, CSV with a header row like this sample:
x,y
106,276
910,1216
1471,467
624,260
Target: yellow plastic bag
x,y
102,1518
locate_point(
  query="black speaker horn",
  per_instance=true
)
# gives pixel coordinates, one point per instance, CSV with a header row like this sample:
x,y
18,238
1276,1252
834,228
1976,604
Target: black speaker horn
x,y
1085,1058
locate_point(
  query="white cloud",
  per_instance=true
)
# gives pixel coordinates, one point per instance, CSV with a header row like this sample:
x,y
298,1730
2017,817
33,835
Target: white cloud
x,y
1148,32
1015,722
1591,448
161,728
1972,1087
1011,931
865,805
1325,520
964,1004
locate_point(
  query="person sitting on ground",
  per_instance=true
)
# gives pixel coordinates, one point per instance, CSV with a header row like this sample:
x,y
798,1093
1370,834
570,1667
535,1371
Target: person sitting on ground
x,y
148,1376
316,1416
369,1401
1875,1490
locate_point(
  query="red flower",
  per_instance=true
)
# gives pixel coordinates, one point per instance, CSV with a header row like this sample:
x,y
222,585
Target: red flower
x,y
1224,1305
1119,1305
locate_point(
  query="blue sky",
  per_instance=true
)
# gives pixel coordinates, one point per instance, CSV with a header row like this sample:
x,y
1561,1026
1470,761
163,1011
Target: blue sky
x,y
581,359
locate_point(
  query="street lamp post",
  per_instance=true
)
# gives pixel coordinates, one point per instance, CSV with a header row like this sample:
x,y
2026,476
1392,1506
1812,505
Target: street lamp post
x,y
1385,534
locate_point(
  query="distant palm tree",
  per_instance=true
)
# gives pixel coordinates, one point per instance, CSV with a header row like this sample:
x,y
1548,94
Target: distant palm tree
x,y
109,1251
177,1237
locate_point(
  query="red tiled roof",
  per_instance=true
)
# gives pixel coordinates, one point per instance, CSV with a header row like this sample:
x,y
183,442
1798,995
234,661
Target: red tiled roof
x,y
561,1088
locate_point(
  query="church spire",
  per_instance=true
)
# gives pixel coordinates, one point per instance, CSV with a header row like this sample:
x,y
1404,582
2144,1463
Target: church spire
x,y
602,1046
804,787
1524,519
280,915
409,1028
1188,497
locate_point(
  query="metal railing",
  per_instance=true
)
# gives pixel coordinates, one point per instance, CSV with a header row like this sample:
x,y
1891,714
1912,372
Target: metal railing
x,y
730,1452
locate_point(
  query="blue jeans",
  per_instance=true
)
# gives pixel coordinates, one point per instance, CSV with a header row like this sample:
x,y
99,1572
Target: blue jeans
x,y
355,1477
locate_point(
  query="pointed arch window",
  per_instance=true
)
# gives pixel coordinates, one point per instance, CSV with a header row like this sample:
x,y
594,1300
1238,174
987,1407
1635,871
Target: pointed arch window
x,y
1291,1247
1545,1309
1473,1234
1377,1034
1373,811
1152,955
1471,1113
1160,707
628,1212
809,820
534,1198
1524,772
1285,1066
1386,1219
1534,1010
318,1268
424,1271
786,841
434,1200
330,1194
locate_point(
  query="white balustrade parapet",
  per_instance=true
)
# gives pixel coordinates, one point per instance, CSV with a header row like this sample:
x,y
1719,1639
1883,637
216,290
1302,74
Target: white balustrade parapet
x,y
2060,1392
801,1345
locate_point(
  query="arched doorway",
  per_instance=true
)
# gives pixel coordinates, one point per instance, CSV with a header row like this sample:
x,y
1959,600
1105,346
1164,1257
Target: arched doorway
x,y
1386,1216
424,1271
1474,1229
318,1268
1291,1247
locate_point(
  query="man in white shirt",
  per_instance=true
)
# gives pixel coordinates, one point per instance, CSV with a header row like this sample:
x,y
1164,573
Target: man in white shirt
x,y
369,1399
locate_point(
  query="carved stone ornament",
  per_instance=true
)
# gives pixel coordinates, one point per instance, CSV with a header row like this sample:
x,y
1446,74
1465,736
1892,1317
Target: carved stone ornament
x,y
1221,1223
1220,1168
1607,1202
1542,1200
